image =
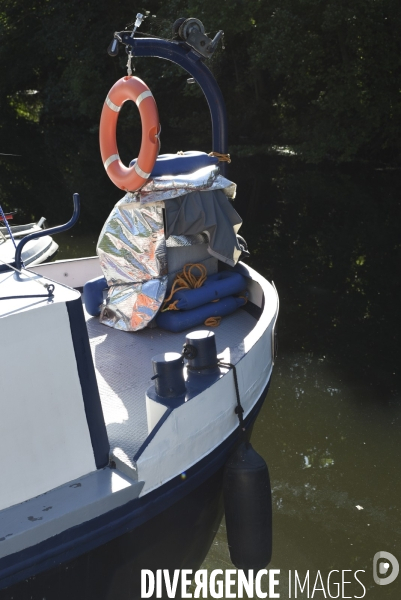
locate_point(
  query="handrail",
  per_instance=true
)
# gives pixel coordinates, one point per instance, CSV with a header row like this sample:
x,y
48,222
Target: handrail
x,y
51,231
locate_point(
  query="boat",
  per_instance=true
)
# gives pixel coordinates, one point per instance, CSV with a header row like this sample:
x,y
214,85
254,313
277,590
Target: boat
x,y
20,230
35,252
117,444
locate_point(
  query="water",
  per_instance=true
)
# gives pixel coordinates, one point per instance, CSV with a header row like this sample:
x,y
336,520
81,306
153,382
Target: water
x,y
330,428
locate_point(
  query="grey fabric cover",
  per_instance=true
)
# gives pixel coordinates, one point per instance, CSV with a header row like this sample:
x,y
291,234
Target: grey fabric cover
x,y
211,212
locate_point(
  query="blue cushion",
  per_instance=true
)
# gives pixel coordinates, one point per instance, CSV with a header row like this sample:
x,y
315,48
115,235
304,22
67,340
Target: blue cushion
x,y
219,285
177,320
93,295
178,164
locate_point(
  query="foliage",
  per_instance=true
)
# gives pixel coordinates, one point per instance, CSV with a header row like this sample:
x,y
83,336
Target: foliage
x,y
338,63
320,76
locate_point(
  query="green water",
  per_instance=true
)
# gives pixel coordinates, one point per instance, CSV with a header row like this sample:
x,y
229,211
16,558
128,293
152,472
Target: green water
x,y
330,427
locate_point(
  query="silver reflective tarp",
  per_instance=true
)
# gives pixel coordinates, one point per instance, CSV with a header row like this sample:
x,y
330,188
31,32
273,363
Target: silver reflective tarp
x,y
132,255
131,307
132,244
172,186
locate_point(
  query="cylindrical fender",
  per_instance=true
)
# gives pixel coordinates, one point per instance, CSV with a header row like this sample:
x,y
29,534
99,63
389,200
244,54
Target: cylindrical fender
x,y
248,508
129,178
219,285
179,320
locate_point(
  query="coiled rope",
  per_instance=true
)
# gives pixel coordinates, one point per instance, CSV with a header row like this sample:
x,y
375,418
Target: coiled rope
x,y
185,280
188,280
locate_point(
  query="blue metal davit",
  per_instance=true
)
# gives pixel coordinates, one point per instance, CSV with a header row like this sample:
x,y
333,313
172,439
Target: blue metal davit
x,y
187,54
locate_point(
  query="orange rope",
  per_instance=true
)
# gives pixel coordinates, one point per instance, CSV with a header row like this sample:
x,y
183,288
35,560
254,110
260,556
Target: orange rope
x,y
212,322
184,281
221,157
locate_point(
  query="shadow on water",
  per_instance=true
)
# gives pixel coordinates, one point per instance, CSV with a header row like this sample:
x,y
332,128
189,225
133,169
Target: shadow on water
x,y
330,428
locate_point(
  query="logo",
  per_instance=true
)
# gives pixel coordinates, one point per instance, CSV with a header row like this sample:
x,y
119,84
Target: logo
x,y
382,561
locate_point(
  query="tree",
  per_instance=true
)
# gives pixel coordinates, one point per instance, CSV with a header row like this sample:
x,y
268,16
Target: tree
x,y
320,76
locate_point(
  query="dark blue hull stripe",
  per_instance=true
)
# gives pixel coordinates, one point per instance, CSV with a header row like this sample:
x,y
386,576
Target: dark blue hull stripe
x,y
87,378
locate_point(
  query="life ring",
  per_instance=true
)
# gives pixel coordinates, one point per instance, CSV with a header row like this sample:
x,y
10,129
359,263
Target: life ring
x,y
129,178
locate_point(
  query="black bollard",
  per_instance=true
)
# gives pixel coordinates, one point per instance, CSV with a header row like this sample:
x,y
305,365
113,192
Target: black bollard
x,y
168,374
201,353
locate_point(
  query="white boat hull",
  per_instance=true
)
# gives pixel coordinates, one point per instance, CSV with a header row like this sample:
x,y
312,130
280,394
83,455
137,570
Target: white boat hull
x,y
148,492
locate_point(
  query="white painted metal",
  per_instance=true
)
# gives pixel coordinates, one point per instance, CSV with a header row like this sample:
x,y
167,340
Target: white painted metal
x,y
192,430
49,514
74,273
255,293
154,412
43,428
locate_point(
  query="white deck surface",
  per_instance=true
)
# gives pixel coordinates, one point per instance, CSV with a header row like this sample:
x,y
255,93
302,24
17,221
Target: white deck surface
x,y
124,369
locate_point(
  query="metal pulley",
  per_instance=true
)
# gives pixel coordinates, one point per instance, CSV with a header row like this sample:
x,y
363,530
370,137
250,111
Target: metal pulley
x,y
192,31
190,26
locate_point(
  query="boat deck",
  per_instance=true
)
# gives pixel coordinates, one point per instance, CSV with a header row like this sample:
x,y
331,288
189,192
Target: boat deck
x,y
124,369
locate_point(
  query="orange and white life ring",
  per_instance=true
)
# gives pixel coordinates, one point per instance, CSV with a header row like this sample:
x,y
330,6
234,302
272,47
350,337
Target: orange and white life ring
x,y
129,178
